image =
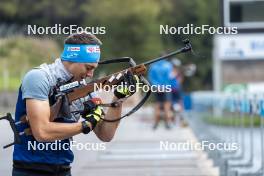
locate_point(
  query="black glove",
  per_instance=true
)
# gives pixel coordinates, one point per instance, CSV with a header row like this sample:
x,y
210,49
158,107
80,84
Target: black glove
x,y
92,112
128,86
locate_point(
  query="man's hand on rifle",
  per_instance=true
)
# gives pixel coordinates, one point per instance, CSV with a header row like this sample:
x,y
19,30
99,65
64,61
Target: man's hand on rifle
x,y
92,112
128,86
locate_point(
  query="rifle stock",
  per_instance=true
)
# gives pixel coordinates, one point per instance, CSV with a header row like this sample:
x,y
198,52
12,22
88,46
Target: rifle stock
x,y
110,80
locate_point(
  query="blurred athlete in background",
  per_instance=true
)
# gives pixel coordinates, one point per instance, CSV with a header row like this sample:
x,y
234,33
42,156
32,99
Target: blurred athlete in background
x,y
160,75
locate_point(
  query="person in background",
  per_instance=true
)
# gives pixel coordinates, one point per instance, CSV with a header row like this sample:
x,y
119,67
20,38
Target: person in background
x,y
179,73
176,93
159,75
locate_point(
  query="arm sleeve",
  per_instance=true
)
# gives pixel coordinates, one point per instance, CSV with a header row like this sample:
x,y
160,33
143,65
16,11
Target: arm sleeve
x,y
35,85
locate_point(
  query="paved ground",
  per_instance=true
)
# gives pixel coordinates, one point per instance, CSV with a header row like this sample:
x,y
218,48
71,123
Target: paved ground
x,y
135,150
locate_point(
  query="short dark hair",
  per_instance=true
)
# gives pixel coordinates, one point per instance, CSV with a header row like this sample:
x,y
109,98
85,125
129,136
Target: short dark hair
x,y
82,38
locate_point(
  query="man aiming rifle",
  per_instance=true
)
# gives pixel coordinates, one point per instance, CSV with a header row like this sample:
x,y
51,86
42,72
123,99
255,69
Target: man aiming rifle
x,y
35,99
53,97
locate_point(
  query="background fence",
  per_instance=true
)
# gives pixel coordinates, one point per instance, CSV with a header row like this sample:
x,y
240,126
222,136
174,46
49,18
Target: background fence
x,y
234,120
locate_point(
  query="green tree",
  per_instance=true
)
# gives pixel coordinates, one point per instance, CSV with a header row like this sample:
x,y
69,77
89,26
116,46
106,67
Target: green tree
x,y
197,12
131,27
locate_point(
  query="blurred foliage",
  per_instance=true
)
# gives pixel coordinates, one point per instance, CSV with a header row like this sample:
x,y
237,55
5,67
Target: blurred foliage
x,y
19,54
132,28
12,84
197,12
41,12
233,121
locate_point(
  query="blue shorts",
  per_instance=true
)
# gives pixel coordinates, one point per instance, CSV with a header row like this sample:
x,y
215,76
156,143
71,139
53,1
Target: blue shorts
x,y
162,97
22,172
176,96
39,169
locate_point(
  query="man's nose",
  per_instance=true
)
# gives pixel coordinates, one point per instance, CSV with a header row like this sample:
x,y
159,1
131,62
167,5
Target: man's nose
x,y
89,73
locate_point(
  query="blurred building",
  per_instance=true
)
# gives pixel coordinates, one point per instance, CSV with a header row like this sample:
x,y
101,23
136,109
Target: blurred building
x,y
239,59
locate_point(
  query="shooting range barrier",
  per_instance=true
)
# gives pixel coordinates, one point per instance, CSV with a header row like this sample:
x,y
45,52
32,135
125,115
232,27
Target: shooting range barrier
x,y
234,120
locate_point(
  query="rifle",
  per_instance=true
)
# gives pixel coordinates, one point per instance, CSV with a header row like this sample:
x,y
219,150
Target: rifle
x,y
79,89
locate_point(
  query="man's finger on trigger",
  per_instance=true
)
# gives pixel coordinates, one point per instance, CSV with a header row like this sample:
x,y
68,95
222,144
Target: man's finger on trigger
x,y
97,118
137,78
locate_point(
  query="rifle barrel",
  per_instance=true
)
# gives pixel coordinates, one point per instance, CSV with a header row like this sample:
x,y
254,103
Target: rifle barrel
x,y
182,50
